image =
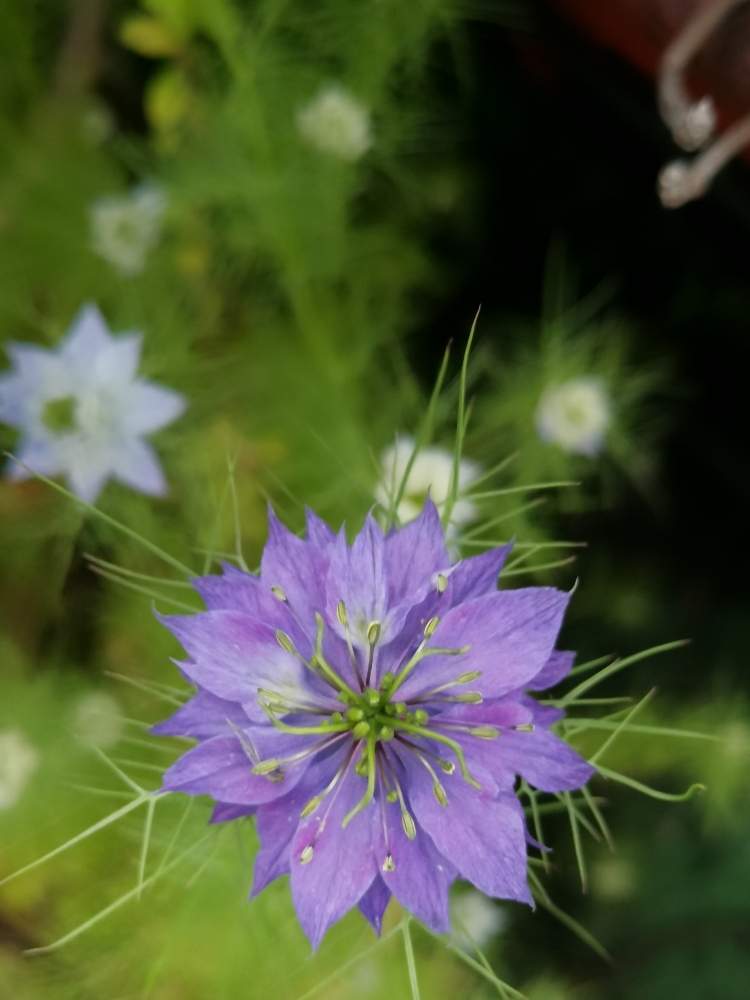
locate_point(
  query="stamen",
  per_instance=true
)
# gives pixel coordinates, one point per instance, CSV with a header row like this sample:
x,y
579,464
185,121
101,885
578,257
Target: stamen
x,y
384,819
441,583
343,617
282,702
466,678
279,594
447,766
335,781
429,734
245,742
271,764
285,642
373,635
407,822
318,660
421,653
467,698
481,732
430,627
307,855
437,789
370,791
335,727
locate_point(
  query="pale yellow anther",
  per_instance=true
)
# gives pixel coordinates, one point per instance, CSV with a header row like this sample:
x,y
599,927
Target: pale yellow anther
x,y
442,583
307,855
278,593
389,865
341,613
311,806
430,627
410,827
284,641
484,732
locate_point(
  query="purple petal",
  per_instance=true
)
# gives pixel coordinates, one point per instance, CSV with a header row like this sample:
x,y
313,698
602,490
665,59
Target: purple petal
x,y
342,866
223,812
556,669
510,635
476,576
277,822
542,715
421,877
318,531
221,768
374,902
414,554
357,576
543,759
296,566
232,655
234,590
483,837
540,757
202,717
237,590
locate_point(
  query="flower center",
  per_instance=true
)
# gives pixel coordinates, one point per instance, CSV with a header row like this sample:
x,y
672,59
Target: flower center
x,y
59,415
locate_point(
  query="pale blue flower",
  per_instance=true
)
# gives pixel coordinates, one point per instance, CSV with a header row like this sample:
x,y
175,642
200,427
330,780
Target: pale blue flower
x,y
83,411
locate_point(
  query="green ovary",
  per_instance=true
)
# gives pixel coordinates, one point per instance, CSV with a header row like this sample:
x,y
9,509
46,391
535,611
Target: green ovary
x,y
59,415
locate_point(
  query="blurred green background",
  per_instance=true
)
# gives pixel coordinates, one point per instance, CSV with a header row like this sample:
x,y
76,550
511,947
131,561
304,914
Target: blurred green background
x,y
301,289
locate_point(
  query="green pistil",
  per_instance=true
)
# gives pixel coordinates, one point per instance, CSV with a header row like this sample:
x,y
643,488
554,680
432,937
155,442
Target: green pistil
x,y
59,415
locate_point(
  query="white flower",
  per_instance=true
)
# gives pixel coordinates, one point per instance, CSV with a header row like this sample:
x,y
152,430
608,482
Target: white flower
x,y
337,123
431,472
124,228
477,919
83,411
18,760
575,415
97,719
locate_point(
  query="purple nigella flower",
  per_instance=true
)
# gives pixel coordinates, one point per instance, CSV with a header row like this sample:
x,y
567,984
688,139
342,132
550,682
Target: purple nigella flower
x,y
367,704
83,411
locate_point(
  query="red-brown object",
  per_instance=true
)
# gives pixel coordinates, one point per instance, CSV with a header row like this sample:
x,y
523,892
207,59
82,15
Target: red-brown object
x,y
640,30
